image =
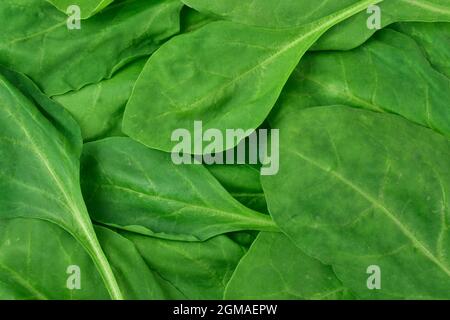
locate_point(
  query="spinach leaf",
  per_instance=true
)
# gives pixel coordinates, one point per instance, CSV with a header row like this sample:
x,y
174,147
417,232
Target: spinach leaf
x,y
192,270
39,260
242,182
197,76
368,77
35,256
353,32
191,20
274,268
87,7
38,43
39,161
264,13
134,188
434,39
346,35
37,267
98,108
358,189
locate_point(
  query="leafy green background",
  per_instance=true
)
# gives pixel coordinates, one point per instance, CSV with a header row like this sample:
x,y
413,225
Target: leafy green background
x,y
87,180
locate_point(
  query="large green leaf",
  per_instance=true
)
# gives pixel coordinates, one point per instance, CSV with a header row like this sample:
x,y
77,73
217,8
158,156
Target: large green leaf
x,y
35,40
347,35
434,39
98,108
39,167
87,7
358,189
274,268
369,77
197,76
38,260
131,187
264,13
192,270
34,258
353,32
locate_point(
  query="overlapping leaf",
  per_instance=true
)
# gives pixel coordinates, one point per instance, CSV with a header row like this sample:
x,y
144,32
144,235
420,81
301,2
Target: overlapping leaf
x,y
131,187
39,161
60,59
228,75
369,77
274,268
358,189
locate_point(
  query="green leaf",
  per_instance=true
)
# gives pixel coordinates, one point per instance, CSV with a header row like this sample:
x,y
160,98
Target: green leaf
x,y
35,256
263,13
98,108
357,189
274,268
353,32
36,41
39,261
136,279
87,7
434,39
192,270
368,77
191,20
134,188
242,182
39,161
346,35
196,76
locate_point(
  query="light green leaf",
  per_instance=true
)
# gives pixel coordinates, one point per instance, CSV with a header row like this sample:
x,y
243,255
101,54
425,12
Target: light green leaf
x,y
264,13
131,187
36,41
39,167
35,256
191,20
98,108
197,76
346,35
192,270
274,268
353,32
87,7
434,39
242,182
40,261
369,77
357,189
